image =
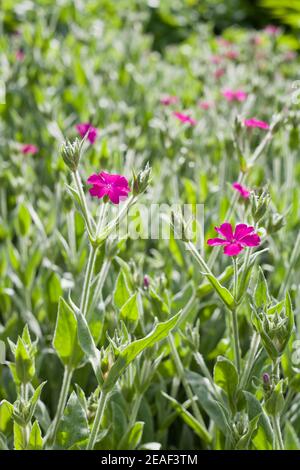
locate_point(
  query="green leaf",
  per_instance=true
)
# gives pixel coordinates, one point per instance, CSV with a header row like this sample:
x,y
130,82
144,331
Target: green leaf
x,y
131,351
65,339
6,411
121,292
35,398
189,419
23,220
73,427
211,405
87,344
25,368
19,443
206,287
263,438
35,438
226,377
291,440
222,292
132,437
261,293
130,310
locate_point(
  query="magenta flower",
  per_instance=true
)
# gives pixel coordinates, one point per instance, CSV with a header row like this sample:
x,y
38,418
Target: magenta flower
x,y
241,189
216,59
232,55
29,149
219,73
185,118
272,30
205,104
168,100
234,243
253,122
232,95
114,187
20,55
84,128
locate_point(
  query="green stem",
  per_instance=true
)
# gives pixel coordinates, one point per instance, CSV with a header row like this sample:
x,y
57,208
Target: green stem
x,y
87,280
68,373
97,421
135,409
84,206
26,427
250,361
180,372
235,320
277,431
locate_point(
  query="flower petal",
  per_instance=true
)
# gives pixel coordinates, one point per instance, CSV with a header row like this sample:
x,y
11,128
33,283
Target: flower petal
x,y
241,230
225,230
233,249
98,191
216,241
250,240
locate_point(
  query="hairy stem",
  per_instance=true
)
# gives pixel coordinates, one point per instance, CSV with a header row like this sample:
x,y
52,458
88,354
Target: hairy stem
x,y
97,421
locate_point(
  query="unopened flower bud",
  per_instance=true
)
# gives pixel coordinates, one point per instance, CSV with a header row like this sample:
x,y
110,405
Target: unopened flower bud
x,y
146,282
141,180
259,205
71,152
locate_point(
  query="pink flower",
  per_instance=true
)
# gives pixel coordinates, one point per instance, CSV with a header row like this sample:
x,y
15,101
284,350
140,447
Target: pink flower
x,y
232,55
256,123
185,118
20,55
272,30
205,104
242,190
219,73
85,127
27,149
168,100
232,95
216,59
234,243
115,187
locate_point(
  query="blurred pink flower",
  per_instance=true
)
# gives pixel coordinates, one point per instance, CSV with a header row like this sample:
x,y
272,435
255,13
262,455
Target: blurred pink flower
x,y
168,100
114,187
216,59
185,118
224,42
85,127
241,189
234,242
205,104
27,149
219,73
20,55
256,123
290,55
272,30
232,95
231,54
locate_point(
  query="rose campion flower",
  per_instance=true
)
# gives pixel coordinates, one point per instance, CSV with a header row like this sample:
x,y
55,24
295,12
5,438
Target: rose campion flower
x,y
185,118
216,59
232,55
219,73
241,189
111,186
272,30
205,105
84,128
231,95
235,242
169,100
20,55
29,149
253,122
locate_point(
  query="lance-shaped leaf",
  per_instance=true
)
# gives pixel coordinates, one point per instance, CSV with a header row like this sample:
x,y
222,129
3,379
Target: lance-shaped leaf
x,y
131,351
87,344
65,339
226,377
35,438
222,292
73,427
6,411
189,419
